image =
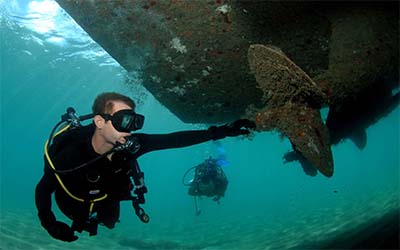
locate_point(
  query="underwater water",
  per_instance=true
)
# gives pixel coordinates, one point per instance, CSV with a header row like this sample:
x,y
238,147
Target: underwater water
x,y
49,64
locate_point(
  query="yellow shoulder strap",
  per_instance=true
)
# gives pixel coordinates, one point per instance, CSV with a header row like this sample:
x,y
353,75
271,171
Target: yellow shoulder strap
x,y
58,177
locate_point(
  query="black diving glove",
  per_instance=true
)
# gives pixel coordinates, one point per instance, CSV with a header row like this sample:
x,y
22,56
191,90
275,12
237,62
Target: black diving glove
x,y
238,127
131,145
61,231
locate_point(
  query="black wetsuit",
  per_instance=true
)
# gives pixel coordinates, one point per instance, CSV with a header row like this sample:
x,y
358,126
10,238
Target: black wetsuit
x,y
112,177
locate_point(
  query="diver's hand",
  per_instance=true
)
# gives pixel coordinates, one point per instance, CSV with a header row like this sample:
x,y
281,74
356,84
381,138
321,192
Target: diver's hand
x,y
131,145
61,231
238,127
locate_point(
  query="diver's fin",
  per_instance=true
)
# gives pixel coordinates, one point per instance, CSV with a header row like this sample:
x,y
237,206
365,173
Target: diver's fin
x,y
359,138
293,103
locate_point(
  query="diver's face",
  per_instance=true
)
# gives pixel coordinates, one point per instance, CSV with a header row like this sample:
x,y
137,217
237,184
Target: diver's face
x,y
112,135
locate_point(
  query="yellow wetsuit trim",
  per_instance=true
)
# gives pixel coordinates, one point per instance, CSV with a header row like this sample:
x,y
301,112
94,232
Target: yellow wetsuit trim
x,y
59,179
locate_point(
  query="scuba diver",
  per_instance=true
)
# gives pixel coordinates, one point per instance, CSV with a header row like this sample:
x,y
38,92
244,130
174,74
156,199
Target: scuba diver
x,y
92,168
209,180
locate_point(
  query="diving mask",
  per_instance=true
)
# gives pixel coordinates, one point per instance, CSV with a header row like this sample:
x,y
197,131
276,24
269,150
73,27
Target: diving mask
x,y
125,120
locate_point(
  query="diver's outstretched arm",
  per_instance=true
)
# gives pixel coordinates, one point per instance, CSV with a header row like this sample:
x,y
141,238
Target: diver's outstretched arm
x,y
188,138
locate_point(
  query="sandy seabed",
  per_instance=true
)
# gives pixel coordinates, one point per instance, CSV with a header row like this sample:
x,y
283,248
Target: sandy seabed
x,y
22,230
